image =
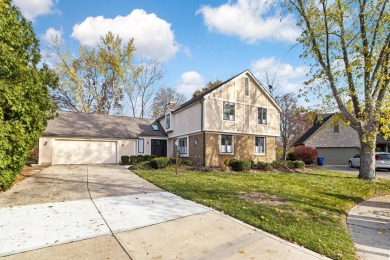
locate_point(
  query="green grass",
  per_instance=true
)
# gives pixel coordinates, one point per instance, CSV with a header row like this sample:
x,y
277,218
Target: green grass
x,y
310,209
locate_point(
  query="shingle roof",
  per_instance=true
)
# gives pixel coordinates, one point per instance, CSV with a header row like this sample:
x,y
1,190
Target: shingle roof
x,y
75,124
320,120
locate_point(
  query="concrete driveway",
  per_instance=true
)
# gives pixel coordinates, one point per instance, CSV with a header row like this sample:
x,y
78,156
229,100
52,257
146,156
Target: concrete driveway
x,y
107,212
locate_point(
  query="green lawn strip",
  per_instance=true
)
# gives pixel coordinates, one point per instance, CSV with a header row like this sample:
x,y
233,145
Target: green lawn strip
x,y
309,209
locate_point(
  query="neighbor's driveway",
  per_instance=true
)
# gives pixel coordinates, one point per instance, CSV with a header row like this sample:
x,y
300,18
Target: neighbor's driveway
x,y
107,212
346,169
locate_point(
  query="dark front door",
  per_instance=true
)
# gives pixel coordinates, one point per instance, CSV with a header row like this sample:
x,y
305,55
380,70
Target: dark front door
x,y
159,147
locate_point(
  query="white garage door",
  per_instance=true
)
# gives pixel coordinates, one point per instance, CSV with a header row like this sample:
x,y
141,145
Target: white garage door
x,y
83,152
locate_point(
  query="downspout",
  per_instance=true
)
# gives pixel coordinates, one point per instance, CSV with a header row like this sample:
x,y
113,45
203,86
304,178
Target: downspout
x,y
204,134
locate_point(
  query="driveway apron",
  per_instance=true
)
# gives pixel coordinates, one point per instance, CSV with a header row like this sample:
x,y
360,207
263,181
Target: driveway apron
x,y
105,211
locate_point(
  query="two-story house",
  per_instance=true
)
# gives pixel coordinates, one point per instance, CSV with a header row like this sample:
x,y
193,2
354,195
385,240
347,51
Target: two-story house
x,y
237,119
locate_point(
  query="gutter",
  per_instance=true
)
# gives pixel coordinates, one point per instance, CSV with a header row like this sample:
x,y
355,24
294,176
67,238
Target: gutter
x,y
202,131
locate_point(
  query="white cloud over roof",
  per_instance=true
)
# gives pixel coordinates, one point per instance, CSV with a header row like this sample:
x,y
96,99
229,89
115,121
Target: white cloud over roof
x,y
250,20
289,77
152,35
189,82
31,9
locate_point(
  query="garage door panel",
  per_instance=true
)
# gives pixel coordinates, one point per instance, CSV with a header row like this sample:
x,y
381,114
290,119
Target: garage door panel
x,y
83,152
337,155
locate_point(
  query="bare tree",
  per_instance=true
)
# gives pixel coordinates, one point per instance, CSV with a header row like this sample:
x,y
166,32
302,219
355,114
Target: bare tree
x,y
294,119
162,99
146,80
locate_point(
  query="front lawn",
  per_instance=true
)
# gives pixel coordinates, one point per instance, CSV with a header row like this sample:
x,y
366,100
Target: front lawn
x,y
307,208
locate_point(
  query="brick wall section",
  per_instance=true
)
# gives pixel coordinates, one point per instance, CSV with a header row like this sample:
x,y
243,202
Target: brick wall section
x,y
196,151
244,147
326,137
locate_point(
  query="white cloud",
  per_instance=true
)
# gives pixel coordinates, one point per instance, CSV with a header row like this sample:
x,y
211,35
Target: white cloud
x,y
152,35
33,8
189,82
289,77
251,20
52,35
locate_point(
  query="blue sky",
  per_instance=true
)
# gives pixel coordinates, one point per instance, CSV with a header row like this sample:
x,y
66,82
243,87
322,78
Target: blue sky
x,y
198,41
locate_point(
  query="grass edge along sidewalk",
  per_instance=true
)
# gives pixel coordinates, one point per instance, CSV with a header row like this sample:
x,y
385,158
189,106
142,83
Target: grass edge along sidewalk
x,y
309,209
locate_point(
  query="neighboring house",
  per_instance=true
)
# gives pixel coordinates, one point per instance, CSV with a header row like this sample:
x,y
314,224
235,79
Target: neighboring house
x,y
337,143
81,138
236,119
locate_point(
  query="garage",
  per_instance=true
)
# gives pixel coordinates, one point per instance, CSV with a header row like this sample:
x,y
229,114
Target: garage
x,y
84,152
337,155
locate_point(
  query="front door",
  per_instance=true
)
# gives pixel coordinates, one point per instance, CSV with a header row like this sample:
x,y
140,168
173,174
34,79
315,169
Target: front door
x,y
159,147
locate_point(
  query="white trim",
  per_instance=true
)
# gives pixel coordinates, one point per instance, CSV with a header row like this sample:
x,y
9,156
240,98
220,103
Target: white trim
x,y
265,144
188,133
220,144
138,152
188,146
257,118
240,133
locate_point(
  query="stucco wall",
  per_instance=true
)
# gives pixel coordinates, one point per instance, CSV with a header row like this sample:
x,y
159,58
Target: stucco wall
x,y
326,137
186,121
246,109
244,148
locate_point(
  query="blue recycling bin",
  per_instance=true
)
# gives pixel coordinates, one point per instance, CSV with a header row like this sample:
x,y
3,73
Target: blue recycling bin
x,y
320,161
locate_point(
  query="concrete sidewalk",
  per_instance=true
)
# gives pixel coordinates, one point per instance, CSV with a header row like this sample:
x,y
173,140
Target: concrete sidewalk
x,y
107,212
369,225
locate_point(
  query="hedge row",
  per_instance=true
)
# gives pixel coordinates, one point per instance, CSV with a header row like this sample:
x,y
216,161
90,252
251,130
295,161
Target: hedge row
x,y
133,159
246,165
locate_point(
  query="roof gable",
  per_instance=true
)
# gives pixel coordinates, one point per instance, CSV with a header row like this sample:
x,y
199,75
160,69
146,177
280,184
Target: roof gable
x,y
320,120
201,96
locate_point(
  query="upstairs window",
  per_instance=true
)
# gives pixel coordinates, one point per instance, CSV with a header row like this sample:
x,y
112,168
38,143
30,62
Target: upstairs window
x,y
260,145
336,128
168,121
228,111
226,144
262,115
246,86
183,146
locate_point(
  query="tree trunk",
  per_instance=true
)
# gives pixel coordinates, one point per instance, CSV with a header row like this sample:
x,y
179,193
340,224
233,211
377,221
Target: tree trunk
x,y
367,156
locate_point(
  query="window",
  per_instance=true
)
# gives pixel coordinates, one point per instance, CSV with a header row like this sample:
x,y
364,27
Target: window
x,y
262,115
155,127
228,111
182,149
260,145
168,121
141,145
226,144
246,87
336,128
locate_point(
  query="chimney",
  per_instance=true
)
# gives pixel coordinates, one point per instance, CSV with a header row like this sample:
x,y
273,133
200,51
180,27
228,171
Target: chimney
x,y
171,103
